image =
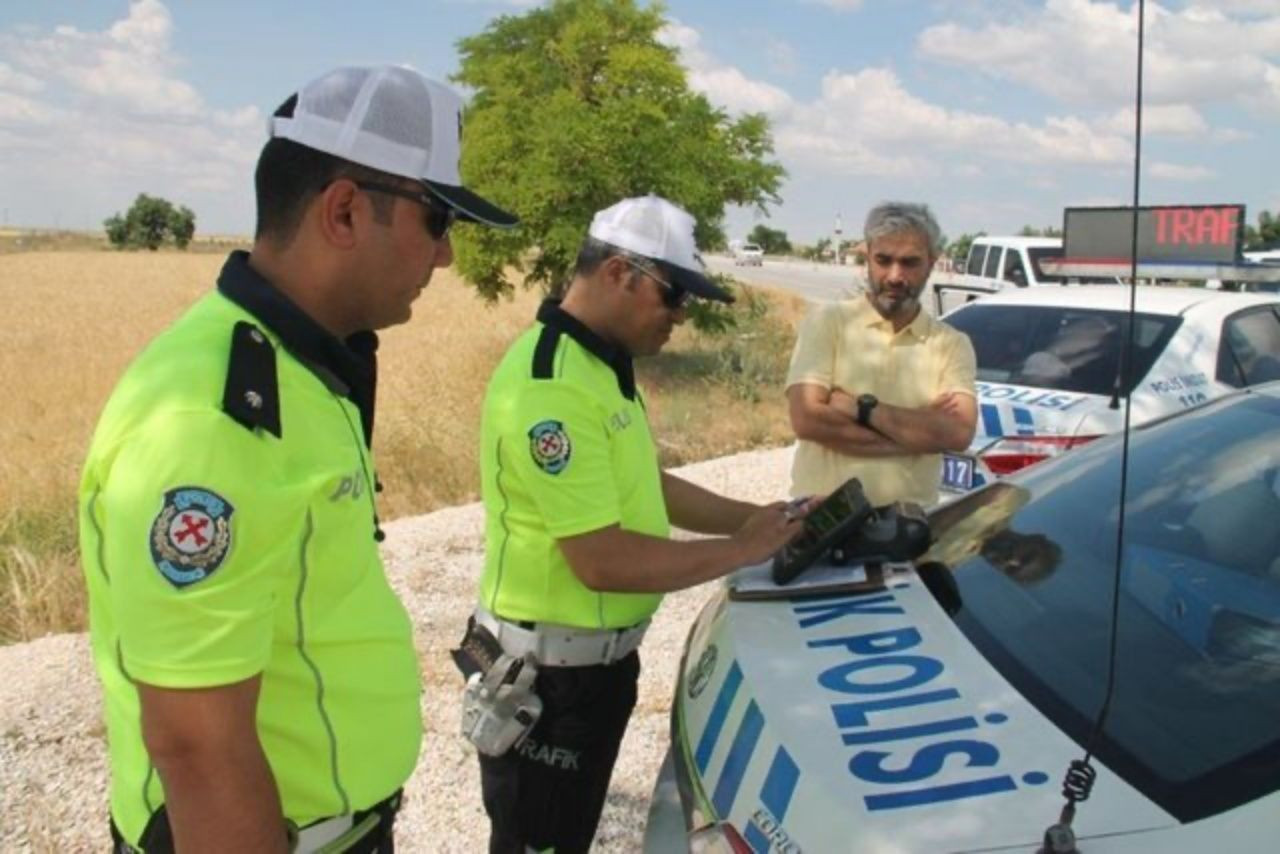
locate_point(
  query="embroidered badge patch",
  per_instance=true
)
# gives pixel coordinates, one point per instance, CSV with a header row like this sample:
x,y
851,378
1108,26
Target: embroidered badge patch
x,y
191,535
549,446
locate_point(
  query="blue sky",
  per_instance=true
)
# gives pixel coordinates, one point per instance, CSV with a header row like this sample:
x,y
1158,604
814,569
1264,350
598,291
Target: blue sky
x,y
997,112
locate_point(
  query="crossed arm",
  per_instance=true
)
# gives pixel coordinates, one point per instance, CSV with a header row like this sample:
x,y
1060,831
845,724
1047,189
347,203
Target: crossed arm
x,y
827,417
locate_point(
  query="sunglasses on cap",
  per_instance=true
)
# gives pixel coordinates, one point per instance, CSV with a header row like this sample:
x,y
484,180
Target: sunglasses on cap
x,y
440,218
674,297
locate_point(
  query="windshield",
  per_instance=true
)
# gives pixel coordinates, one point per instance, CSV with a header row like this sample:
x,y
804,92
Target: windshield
x,y
1066,349
1193,722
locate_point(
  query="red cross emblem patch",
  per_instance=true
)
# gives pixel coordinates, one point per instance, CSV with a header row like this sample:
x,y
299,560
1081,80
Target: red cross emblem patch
x,y
549,446
191,534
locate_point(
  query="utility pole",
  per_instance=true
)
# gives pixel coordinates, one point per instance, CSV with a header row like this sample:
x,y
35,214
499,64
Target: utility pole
x,y
836,245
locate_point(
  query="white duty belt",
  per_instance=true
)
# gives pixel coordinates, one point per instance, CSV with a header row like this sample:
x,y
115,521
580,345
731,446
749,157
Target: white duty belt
x,y
563,646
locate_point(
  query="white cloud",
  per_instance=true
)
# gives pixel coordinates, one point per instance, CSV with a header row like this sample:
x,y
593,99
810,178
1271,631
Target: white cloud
x,y
724,85
872,110
129,65
1179,172
1158,120
112,103
16,81
1242,7
1082,52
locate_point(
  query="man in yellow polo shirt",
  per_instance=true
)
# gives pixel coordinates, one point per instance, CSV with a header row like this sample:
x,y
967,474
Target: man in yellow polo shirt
x,y
877,388
578,517
260,678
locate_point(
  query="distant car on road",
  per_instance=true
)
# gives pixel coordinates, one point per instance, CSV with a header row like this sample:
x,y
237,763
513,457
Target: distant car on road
x,y
748,254
1048,360
941,712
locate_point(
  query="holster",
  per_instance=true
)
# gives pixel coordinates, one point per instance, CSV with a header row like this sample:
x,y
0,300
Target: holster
x,y
499,706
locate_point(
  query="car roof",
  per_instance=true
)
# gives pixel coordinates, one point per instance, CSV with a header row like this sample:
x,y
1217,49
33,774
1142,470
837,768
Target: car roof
x,y
1150,299
1054,242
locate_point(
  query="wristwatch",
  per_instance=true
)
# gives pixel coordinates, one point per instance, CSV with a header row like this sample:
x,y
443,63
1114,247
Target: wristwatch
x,y
866,403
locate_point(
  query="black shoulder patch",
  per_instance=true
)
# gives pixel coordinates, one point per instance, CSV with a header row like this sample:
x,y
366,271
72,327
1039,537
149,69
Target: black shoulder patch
x,y
252,392
544,355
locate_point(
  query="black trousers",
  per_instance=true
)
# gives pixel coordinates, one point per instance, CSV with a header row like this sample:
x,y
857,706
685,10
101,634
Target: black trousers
x,y
548,792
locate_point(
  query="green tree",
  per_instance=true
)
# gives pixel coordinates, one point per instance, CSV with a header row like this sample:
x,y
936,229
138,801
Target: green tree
x,y
182,225
1266,235
149,223
958,249
772,240
1047,231
577,105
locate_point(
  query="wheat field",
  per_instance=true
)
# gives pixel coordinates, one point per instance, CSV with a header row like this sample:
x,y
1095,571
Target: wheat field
x,y
73,320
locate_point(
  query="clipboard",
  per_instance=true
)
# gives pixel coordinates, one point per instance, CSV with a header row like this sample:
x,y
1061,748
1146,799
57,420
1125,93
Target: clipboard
x,y
755,583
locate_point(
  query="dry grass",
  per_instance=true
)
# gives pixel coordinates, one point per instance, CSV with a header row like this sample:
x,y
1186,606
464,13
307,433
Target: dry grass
x,y
74,320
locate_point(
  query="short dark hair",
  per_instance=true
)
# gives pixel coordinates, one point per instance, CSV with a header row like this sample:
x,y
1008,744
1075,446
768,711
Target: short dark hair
x,y
289,175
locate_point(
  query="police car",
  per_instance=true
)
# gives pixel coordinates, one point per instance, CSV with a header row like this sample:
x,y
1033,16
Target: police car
x,y
1048,360
941,712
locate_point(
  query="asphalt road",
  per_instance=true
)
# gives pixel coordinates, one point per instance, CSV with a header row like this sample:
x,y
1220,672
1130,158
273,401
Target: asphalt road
x,y
809,280
819,282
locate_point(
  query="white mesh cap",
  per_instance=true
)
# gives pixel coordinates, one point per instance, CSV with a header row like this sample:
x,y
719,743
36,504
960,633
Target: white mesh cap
x,y
392,119
654,228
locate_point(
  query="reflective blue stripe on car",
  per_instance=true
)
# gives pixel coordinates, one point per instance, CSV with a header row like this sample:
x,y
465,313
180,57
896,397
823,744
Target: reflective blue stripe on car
x,y
1025,420
715,723
735,765
991,420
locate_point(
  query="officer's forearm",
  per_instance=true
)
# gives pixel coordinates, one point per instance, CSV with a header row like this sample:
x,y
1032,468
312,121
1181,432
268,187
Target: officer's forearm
x,y
693,508
219,791
612,560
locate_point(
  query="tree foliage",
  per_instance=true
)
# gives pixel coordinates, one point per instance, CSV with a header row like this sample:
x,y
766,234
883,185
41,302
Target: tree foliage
x,y
958,249
772,240
1047,231
1267,233
577,105
149,223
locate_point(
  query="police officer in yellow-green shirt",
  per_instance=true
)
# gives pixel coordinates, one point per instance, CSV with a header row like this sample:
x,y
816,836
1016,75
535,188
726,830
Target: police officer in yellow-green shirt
x,y
578,517
260,678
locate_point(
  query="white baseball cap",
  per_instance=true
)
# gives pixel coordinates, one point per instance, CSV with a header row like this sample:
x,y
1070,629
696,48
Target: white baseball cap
x,y
654,228
392,119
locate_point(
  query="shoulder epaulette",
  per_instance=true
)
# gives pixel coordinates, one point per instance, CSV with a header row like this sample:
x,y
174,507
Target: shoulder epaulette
x,y
252,393
544,354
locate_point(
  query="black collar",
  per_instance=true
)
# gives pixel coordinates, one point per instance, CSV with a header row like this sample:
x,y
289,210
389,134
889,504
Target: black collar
x,y
353,363
551,315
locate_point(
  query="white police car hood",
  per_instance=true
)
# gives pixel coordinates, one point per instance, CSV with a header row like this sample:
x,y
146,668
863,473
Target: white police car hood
x,y
869,723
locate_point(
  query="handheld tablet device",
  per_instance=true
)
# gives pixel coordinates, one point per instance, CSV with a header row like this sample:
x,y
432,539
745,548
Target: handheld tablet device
x,y
833,521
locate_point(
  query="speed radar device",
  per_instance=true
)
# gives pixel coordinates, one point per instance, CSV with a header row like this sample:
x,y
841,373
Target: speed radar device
x,y
830,523
845,529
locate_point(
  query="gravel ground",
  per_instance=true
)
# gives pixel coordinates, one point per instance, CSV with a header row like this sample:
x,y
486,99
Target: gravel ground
x,y
53,773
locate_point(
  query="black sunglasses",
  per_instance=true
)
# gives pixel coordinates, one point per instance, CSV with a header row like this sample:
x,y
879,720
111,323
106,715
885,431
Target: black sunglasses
x,y
439,217
674,297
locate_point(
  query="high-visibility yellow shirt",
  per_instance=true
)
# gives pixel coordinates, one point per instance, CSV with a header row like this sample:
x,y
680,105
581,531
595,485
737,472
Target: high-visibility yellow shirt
x,y
848,346
565,449
216,550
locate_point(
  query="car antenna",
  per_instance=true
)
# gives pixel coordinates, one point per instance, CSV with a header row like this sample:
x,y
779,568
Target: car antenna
x,y
1077,784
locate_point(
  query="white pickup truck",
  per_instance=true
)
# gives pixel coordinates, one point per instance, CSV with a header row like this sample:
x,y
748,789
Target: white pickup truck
x,y
997,263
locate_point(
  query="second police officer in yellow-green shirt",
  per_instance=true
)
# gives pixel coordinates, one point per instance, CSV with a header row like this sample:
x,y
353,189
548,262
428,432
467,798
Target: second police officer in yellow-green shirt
x,y
578,518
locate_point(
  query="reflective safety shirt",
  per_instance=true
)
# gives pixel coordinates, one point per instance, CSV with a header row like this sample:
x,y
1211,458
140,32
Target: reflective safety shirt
x,y
565,449
227,530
